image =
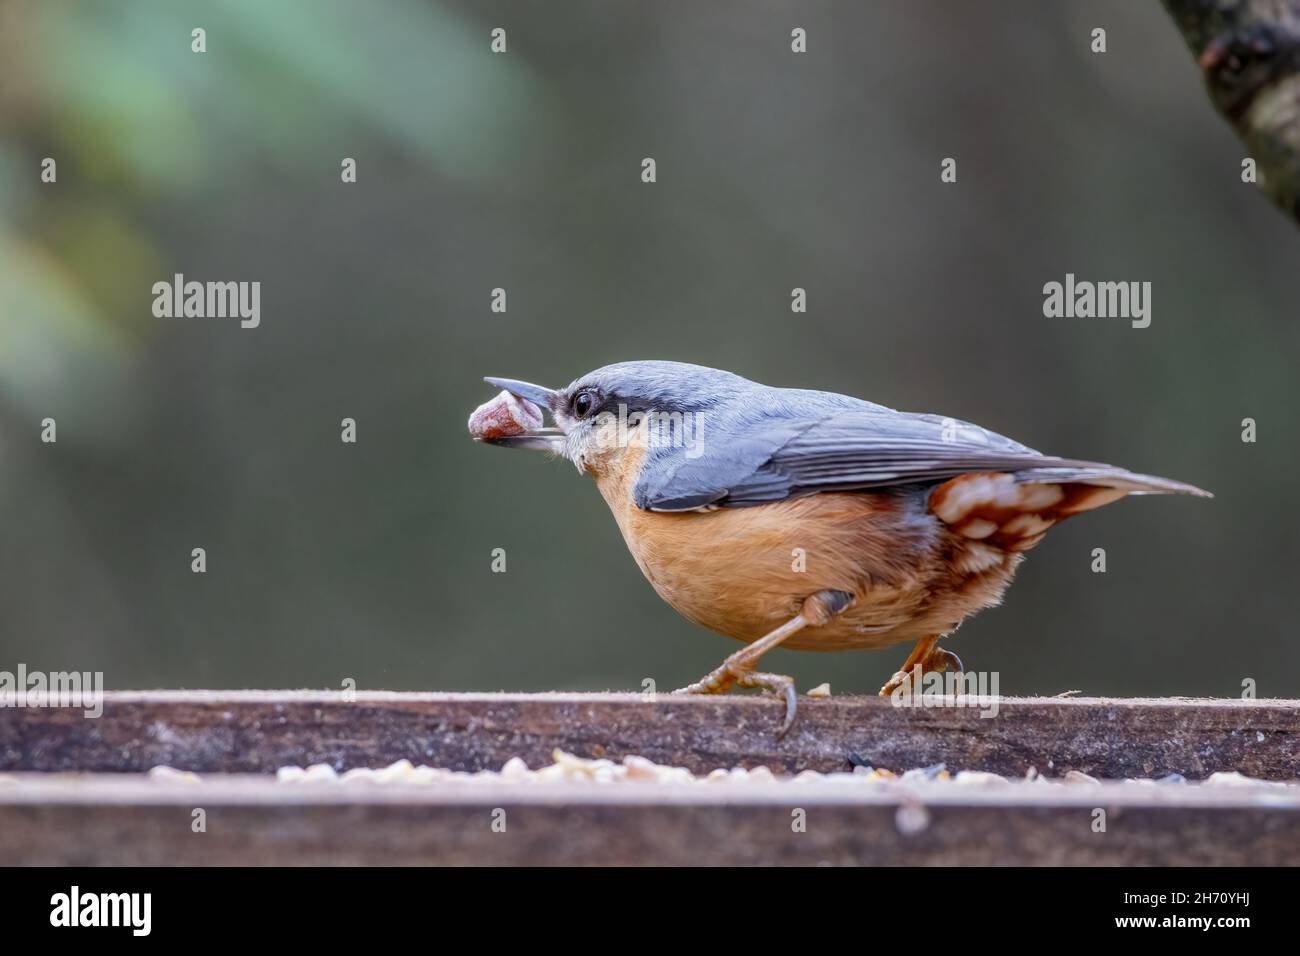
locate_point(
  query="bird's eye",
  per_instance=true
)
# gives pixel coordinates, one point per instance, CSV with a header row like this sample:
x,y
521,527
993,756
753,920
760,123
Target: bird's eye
x,y
583,403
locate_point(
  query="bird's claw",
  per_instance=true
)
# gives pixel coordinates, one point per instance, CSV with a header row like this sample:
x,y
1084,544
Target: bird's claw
x,y
717,681
937,660
722,679
942,659
738,669
895,682
780,685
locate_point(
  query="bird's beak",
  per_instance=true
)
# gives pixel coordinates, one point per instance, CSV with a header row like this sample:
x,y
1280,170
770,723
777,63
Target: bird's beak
x,y
540,439
539,395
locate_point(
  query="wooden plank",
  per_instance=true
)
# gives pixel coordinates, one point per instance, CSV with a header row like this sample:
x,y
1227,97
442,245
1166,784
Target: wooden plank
x,y
129,820
259,731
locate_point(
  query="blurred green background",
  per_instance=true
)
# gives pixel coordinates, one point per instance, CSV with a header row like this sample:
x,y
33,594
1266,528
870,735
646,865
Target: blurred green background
x,y
475,171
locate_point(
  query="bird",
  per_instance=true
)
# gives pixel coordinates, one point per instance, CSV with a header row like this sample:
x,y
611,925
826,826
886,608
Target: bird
x,y
805,519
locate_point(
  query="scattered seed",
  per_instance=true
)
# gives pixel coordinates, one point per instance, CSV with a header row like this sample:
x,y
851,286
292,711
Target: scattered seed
x,y
569,768
911,819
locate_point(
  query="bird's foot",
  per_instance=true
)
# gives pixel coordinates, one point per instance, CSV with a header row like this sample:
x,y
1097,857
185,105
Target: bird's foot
x,y
778,684
729,674
933,659
942,659
717,681
739,669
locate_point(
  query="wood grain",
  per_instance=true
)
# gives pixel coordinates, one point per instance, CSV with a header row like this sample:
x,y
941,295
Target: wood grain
x,y
255,821
260,731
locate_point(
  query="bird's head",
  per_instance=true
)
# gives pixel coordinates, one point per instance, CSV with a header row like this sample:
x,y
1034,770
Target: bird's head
x,y
632,404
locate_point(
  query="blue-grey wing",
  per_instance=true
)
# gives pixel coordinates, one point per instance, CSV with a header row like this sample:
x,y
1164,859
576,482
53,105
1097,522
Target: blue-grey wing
x,y
742,463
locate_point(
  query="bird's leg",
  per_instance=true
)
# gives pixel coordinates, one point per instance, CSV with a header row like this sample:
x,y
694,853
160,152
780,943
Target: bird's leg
x,y
919,653
738,669
942,659
927,656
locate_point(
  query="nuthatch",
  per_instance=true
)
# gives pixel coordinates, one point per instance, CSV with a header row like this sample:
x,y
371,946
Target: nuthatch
x,y
807,519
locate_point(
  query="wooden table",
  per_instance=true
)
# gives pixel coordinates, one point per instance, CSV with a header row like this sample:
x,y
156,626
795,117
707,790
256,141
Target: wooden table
x,y
74,794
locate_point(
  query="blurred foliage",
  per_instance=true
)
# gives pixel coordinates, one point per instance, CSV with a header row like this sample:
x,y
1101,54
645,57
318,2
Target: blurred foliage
x,y
521,171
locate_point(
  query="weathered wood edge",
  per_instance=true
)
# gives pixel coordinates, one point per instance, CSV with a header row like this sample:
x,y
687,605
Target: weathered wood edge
x,y
86,789
259,731
81,820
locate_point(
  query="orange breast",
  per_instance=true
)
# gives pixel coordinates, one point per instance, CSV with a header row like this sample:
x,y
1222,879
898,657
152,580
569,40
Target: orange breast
x,y
744,571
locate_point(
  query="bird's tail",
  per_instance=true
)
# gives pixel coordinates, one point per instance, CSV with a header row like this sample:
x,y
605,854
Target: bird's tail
x,y
1013,510
1109,476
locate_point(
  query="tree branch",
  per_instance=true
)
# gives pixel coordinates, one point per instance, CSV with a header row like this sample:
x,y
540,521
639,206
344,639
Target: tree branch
x,y
1249,51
